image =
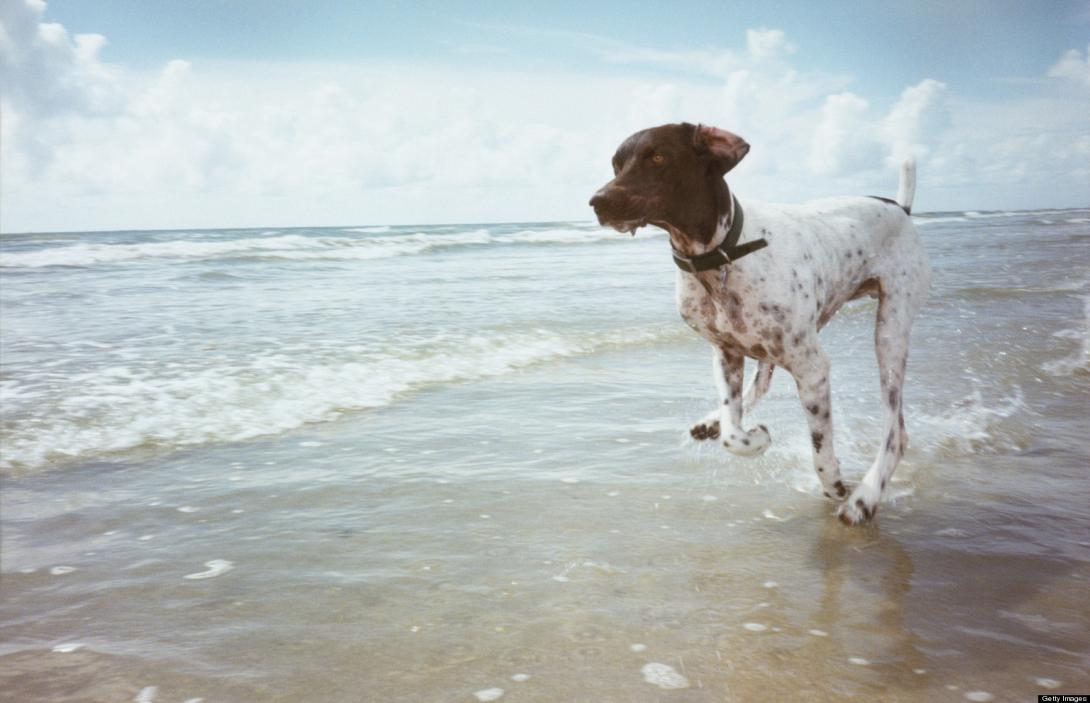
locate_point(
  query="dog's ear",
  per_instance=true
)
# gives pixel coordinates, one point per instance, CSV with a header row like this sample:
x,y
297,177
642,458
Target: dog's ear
x,y
725,148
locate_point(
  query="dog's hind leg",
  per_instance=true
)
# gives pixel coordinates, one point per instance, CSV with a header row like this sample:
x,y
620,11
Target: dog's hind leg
x,y
811,372
896,309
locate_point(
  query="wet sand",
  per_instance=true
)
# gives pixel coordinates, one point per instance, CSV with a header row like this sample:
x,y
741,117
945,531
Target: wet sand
x,y
407,581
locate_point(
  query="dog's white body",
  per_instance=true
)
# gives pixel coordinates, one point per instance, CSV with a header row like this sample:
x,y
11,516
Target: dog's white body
x,y
770,305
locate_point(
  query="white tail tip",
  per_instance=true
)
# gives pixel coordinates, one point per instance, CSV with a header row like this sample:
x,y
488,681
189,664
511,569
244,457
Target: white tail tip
x,y
906,191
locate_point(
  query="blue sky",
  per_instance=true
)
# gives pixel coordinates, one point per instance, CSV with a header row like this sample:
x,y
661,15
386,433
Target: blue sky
x,y
975,46
216,113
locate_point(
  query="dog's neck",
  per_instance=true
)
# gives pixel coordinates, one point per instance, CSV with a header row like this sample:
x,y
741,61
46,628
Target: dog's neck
x,y
697,242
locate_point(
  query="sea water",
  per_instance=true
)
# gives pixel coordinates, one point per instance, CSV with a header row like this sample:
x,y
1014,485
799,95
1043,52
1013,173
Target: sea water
x,y
452,463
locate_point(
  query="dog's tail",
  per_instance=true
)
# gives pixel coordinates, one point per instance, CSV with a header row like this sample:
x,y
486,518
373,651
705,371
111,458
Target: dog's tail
x,y
906,191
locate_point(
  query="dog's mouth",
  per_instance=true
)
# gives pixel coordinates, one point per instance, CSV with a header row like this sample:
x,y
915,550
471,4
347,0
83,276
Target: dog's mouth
x,y
624,226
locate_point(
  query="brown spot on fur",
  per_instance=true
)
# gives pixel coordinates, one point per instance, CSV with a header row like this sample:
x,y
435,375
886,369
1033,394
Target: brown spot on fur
x,y
817,438
734,312
841,491
705,431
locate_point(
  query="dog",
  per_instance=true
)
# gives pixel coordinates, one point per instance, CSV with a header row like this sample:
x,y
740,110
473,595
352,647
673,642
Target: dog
x,y
763,280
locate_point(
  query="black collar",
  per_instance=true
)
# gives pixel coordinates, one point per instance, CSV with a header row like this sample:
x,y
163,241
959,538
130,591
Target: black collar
x,y
726,252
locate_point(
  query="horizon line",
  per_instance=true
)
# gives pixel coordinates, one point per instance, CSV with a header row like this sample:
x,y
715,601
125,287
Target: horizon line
x,y
444,224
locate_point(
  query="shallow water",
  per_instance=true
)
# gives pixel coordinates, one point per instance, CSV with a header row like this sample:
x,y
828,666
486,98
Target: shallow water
x,y
422,464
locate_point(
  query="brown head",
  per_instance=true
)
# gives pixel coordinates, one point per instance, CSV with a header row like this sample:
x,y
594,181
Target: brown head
x,y
671,176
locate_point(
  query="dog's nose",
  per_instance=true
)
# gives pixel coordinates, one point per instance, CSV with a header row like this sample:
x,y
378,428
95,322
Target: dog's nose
x,y
598,199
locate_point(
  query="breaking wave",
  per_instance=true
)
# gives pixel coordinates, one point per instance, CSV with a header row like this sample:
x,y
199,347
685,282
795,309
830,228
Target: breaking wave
x,y
295,247
126,407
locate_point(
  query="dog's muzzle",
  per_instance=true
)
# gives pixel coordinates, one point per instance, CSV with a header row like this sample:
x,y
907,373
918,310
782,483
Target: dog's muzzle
x,y
611,208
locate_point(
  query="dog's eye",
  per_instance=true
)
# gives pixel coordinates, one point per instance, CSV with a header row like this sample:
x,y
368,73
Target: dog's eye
x,y
658,159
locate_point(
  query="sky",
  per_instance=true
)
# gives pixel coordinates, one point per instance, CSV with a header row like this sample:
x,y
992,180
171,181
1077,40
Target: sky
x,y
147,114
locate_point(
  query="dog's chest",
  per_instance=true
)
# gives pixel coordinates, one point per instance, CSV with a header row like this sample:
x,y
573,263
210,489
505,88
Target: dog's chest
x,y
717,315
696,307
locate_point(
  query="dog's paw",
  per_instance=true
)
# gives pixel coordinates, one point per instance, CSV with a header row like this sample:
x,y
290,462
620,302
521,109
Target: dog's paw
x,y
861,506
837,491
752,443
705,429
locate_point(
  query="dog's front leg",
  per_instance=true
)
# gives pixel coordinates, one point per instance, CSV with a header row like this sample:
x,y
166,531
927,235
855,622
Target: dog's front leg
x,y
729,367
758,386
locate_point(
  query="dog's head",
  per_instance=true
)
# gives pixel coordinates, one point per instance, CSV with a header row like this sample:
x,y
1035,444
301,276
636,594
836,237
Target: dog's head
x,y
670,176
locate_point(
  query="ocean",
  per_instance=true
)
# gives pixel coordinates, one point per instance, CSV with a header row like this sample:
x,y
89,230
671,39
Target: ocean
x,y
452,463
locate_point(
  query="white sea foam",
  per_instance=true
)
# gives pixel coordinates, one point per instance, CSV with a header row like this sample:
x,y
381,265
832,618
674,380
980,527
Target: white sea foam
x,y
1079,360
489,694
68,647
988,215
293,247
971,424
663,676
377,229
937,220
146,695
121,408
215,567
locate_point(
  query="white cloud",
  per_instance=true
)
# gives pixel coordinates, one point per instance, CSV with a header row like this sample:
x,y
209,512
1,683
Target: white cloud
x,y
44,72
917,121
763,44
1073,65
844,140
238,144
653,105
